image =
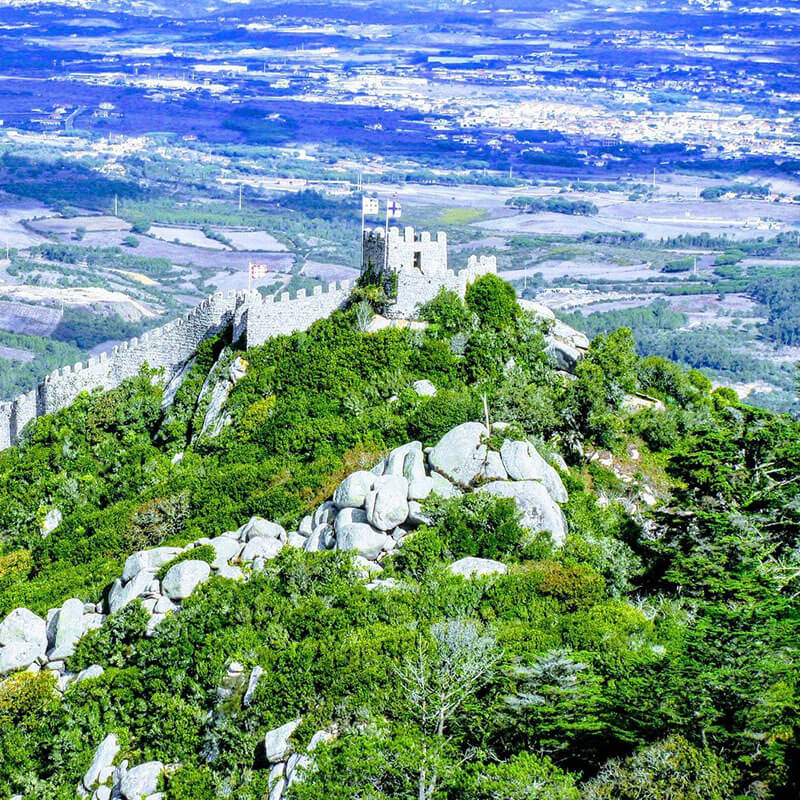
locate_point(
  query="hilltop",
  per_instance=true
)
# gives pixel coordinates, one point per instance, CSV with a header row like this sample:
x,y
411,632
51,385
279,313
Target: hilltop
x,y
466,555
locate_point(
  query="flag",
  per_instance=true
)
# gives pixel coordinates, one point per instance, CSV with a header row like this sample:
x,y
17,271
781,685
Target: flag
x,y
258,271
394,209
369,206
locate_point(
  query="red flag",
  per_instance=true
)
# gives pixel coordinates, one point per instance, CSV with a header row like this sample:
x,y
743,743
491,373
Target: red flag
x,y
258,271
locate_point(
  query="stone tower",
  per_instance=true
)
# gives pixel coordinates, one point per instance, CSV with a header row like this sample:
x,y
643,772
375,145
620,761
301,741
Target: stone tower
x,y
407,251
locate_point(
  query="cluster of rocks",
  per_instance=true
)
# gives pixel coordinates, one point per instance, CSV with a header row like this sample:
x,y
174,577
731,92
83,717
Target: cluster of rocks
x,y
373,511
249,546
29,642
370,514
286,765
104,781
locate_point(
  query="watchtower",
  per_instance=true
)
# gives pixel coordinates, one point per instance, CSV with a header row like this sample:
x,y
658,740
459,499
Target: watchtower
x,y
407,251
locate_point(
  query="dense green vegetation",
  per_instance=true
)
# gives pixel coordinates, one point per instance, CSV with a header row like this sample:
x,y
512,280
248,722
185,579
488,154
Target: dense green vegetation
x,y
106,257
736,189
62,182
653,655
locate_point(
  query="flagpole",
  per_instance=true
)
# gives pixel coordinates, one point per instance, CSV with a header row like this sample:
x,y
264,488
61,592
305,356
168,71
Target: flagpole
x,y
361,266
386,241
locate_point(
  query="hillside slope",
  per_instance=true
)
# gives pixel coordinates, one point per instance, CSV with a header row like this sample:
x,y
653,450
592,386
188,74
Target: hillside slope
x,y
310,571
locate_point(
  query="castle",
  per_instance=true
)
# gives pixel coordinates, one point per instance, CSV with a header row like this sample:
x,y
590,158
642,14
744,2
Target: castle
x,y
413,267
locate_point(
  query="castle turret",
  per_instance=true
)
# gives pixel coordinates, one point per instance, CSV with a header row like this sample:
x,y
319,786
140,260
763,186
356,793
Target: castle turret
x,y
407,250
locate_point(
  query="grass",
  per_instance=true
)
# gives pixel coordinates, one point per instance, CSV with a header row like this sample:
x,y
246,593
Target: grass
x,y
460,216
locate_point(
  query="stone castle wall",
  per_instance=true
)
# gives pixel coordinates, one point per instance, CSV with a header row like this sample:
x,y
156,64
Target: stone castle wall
x,y
415,289
419,261
167,347
262,318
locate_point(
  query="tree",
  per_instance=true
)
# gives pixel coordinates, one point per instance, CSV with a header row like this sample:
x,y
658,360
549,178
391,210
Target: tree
x,y
494,301
672,769
449,666
616,357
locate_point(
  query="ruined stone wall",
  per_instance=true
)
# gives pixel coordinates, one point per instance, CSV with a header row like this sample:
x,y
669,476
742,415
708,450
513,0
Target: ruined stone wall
x,y
167,347
262,318
415,289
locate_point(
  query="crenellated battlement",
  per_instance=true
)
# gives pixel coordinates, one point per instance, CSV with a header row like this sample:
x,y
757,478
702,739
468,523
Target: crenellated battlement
x,y
418,260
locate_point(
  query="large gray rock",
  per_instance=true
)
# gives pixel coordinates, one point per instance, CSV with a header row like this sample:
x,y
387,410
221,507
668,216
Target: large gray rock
x,y
276,741
322,538
564,355
460,454
347,516
103,758
22,625
69,627
325,514
414,465
120,595
252,683
362,539
387,503
296,766
261,546
141,781
306,526
297,540
276,781
352,491
470,567
396,460
424,388
420,488
92,671
215,419
443,487
493,469
523,463
566,333
225,548
152,559
182,579
51,521
18,655
258,526
539,510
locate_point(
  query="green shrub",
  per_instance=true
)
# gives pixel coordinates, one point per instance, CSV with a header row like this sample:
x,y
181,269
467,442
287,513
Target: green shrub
x,y
204,552
494,301
110,645
478,524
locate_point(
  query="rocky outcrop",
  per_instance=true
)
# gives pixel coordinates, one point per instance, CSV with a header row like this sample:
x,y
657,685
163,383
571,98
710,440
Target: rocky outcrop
x,y
370,514
565,345
462,455
539,511
288,765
